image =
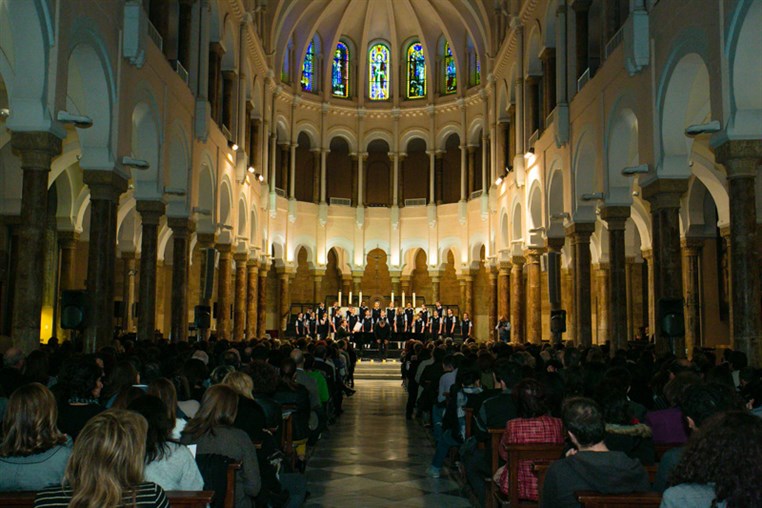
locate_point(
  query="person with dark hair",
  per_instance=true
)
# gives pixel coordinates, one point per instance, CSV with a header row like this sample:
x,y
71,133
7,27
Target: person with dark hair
x,y
533,424
699,403
123,376
291,392
720,465
168,464
667,424
33,452
81,385
752,394
589,465
624,432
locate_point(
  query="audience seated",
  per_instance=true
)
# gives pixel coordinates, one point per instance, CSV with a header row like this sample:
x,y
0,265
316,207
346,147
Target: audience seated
x,y
80,386
165,390
720,465
168,464
212,431
33,453
589,465
106,467
624,432
668,425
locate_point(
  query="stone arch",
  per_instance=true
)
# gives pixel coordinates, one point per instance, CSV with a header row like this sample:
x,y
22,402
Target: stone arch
x,y
622,150
207,192
517,225
226,203
411,134
585,181
375,134
243,208
505,237
555,200
744,43
127,233
306,243
145,145
445,132
533,48
307,128
65,198
475,130
343,258
179,172
346,134
451,244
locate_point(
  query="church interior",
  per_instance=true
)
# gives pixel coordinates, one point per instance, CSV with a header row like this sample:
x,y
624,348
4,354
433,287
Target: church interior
x,y
184,171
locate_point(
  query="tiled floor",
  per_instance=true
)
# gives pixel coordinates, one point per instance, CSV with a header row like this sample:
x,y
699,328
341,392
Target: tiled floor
x,y
373,457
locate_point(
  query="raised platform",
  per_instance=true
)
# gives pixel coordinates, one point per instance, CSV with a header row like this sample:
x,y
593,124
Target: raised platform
x,y
378,370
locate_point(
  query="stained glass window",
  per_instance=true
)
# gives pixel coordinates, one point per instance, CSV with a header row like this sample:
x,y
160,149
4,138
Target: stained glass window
x,y
378,72
340,71
451,79
308,69
416,72
477,78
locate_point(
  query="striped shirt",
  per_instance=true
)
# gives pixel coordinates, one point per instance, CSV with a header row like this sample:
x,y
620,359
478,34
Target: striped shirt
x,y
146,495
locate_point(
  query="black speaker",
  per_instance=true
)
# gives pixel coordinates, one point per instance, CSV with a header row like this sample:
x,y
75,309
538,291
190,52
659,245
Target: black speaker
x,y
118,309
558,321
208,274
74,306
202,317
671,317
554,278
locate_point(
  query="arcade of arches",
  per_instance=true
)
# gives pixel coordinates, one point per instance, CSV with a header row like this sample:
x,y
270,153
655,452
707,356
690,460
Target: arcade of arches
x,y
506,157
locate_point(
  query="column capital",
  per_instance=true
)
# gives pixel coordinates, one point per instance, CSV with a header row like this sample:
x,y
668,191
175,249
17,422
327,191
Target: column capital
x,y
67,238
318,272
615,216
106,185
181,226
665,192
556,243
253,262
241,257
224,248
647,254
741,157
692,245
150,211
206,240
580,231
532,254
504,269
517,261
36,149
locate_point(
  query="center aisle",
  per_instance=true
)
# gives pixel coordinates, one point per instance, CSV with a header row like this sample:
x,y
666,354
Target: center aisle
x,y
374,457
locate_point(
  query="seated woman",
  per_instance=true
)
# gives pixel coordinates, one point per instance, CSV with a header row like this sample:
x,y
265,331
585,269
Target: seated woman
x,y
667,425
720,465
624,433
168,464
106,467
34,452
164,389
533,425
82,384
213,432
122,377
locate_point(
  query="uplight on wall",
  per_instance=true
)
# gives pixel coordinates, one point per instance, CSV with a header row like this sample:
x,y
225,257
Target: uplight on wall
x,y
529,157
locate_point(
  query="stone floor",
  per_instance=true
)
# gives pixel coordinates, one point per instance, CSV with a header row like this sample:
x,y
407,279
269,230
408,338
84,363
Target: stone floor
x,y
373,457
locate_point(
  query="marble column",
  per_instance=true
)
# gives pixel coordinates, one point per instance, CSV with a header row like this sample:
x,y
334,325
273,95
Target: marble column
x,y
503,290
629,267
182,228
555,244
262,302
471,170
224,274
150,215
534,296
239,313
517,299
664,196
492,305
604,298
129,271
36,151
316,174
284,300
567,301
105,189
579,233
468,295
616,219
741,159
691,248
252,285
649,305
205,241
67,241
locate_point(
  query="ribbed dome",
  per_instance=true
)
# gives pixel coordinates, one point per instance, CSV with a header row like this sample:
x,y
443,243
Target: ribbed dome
x,y
294,23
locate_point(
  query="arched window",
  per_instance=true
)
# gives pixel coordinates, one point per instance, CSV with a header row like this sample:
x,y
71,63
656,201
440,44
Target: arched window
x,y
308,69
416,71
450,74
340,71
378,72
476,70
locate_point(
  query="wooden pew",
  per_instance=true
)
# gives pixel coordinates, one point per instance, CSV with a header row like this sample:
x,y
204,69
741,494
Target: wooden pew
x,y
177,498
233,468
633,500
287,438
518,453
541,469
661,449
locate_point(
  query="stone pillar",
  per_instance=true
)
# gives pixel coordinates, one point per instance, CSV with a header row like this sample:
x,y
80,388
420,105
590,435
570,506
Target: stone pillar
x,y
150,214
468,294
252,285
692,290
224,269
471,170
36,150
579,233
741,159
649,303
664,196
105,189
241,272
318,286
503,290
602,290
261,302
555,244
517,299
128,290
284,299
492,305
435,287
182,228
316,174
534,296
616,219
67,241
629,266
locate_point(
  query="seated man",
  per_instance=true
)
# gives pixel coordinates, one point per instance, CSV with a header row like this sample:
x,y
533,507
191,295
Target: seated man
x,y
589,465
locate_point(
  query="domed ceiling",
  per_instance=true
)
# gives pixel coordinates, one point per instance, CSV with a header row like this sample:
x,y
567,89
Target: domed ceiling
x,y
465,24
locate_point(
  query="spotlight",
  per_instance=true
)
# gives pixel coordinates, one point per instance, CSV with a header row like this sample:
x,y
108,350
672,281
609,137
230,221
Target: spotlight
x,y
499,180
5,112
251,170
234,146
81,121
703,128
261,178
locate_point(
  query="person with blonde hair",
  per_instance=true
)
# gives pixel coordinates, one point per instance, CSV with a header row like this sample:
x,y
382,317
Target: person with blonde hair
x,y
106,467
34,452
212,431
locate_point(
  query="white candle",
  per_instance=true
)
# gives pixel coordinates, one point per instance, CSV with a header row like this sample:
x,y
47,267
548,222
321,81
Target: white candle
x,y
350,298
360,297
392,298
414,300
403,299
339,298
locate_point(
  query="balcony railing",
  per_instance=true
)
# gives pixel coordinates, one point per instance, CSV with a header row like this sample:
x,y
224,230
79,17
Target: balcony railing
x,y
155,35
615,41
180,70
583,79
280,192
341,202
533,139
550,118
415,202
475,194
